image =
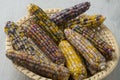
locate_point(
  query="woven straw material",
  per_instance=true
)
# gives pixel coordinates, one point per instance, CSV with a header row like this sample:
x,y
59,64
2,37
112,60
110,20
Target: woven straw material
x,y
105,34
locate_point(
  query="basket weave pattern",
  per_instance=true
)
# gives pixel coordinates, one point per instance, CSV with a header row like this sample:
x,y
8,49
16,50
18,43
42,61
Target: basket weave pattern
x,y
105,34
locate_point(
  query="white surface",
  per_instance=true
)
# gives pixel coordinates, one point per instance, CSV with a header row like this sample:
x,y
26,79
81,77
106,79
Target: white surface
x,y
14,9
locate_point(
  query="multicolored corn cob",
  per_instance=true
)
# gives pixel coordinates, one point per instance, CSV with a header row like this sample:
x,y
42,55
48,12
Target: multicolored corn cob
x,y
44,42
105,49
73,61
90,69
49,70
44,21
90,21
21,43
87,50
69,13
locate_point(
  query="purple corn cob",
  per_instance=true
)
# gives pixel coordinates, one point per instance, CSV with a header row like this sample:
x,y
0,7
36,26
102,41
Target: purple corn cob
x,y
69,13
45,43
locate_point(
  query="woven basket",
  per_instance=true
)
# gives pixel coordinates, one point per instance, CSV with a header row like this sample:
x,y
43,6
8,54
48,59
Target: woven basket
x,y
105,34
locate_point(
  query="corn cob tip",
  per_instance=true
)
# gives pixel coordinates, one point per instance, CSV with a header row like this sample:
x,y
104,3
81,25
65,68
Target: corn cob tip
x,y
8,56
11,54
87,5
8,22
67,32
32,8
66,72
100,18
81,77
7,26
102,65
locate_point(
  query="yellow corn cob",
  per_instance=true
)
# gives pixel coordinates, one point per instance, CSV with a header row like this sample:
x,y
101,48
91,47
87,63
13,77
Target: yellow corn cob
x,y
44,21
87,50
90,21
73,61
49,70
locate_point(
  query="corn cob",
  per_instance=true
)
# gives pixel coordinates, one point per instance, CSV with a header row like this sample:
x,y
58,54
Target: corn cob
x,y
90,70
69,13
87,50
73,61
49,70
21,43
101,45
16,36
44,42
44,21
92,21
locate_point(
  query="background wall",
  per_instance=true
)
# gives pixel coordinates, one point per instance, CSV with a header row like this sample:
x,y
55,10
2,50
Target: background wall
x,y
15,9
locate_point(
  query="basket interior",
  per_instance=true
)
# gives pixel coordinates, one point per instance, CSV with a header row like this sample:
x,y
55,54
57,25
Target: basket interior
x,y
104,32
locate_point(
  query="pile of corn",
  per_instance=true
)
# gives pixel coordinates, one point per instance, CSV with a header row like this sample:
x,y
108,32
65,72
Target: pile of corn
x,y
61,46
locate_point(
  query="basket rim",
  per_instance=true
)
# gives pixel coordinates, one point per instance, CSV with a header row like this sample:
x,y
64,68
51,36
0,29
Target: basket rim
x,y
97,76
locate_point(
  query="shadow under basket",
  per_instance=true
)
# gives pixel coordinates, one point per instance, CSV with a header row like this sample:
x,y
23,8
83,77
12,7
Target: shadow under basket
x,y
105,34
